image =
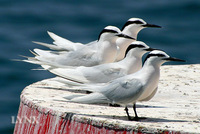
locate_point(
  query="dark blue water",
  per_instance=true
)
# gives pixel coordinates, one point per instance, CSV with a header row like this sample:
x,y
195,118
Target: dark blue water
x,y
24,21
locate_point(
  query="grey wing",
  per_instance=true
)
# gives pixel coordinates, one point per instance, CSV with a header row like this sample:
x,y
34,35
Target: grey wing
x,y
85,57
73,58
73,74
124,92
114,71
104,73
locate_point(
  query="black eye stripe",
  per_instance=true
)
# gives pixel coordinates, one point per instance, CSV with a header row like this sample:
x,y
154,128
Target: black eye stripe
x,y
137,22
158,55
106,31
131,22
151,55
139,46
133,46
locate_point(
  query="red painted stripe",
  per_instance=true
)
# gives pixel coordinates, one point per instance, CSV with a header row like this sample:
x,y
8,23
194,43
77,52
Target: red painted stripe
x,y
35,122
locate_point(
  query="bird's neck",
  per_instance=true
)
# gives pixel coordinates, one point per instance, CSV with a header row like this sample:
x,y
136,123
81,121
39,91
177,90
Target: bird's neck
x,y
131,31
132,63
108,51
123,44
150,73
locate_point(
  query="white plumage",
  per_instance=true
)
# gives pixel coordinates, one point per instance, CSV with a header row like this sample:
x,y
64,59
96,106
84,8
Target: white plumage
x,y
130,28
104,51
139,86
106,72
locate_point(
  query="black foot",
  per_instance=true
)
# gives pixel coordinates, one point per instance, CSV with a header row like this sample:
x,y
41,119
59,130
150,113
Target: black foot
x,y
88,92
114,105
137,118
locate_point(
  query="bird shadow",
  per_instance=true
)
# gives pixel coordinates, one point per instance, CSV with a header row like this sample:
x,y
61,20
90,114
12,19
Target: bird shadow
x,y
125,118
146,106
143,119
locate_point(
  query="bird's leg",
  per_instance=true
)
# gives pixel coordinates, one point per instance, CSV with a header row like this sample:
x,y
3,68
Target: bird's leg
x,y
136,118
126,109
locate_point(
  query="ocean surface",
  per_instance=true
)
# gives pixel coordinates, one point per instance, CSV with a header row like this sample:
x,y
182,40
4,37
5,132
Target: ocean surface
x,y
24,21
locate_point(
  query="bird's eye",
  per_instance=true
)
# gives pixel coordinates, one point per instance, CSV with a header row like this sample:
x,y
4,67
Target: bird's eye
x,y
133,46
158,55
131,22
154,55
137,22
108,31
139,46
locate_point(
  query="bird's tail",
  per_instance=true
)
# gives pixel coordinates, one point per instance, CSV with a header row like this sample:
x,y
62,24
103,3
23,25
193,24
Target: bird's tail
x,y
32,60
93,98
62,43
39,52
91,87
68,82
51,46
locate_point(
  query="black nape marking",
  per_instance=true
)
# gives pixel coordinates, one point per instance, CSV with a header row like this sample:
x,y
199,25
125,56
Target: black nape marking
x,y
133,46
106,31
131,22
151,55
125,36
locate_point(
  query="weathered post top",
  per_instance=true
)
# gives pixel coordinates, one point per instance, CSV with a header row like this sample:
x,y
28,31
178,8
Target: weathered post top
x,y
175,108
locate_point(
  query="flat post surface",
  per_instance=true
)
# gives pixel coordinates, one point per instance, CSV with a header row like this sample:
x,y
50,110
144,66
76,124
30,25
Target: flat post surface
x,y
175,108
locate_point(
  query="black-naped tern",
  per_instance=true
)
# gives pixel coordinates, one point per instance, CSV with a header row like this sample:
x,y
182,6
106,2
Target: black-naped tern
x,y
105,72
104,51
139,86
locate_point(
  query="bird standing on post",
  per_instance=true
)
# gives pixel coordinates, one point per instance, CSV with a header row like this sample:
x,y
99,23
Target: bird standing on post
x,y
140,86
131,28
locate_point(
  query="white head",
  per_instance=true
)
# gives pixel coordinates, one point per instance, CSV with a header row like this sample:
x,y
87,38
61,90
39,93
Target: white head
x,y
138,48
134,25
111,31
158,57
108,32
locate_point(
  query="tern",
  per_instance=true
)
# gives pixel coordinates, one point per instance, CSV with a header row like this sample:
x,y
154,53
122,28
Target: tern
x,y
105,52
105,72
139,86
130,28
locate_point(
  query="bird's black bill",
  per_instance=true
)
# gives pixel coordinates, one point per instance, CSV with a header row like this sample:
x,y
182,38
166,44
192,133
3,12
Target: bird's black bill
x,y
125,36
151,25
150,49
174,59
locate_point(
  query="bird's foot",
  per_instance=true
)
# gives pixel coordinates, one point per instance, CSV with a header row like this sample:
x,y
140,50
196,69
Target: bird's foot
x,y
88,92
136,118
114,105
